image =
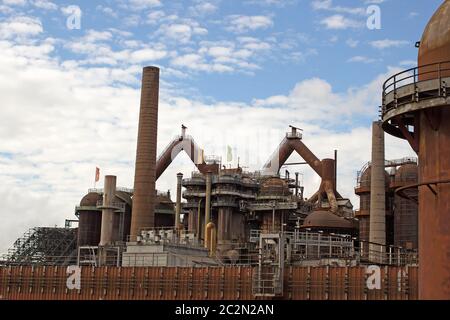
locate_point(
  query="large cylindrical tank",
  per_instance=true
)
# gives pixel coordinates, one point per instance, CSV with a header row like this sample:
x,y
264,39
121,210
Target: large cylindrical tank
x,y
435,45
89,220
405,212
364,207
434,167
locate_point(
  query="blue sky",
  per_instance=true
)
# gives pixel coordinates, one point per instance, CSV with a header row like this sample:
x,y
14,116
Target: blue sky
x,y
295,41
237,73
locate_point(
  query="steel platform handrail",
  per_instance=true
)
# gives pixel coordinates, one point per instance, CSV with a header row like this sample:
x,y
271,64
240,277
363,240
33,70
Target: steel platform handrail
x,y
393,83
415,75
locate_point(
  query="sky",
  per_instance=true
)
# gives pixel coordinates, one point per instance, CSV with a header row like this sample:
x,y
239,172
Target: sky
x,y
236,73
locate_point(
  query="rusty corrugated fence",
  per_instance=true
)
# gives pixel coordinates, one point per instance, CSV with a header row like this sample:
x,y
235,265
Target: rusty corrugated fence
x,y
202,283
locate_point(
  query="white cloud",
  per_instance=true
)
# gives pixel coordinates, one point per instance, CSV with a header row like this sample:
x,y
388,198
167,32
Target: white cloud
x,y
155,16
203,8
20,27
181,31
388,43
95,45
177,29
242,23
107,10
301,56
374,1
253,44
147,54
352,43
15,2
132,20
338,21
362,59
197,62
143,4
224,56
94,36
328,6
45,4
278,3
408,63
5,9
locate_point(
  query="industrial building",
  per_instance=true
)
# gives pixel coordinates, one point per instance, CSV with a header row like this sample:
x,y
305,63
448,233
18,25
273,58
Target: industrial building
x,y
235,234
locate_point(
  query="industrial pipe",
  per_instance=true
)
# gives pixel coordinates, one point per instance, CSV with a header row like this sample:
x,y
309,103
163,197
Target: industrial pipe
x,y
180,143
329,190
328,184
178,204
224,225
207,202
306,154
211,238
290,143
335,170
109,193
199,221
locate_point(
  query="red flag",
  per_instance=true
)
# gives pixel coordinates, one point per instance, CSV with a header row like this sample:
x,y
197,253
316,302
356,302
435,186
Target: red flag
x,y
97,174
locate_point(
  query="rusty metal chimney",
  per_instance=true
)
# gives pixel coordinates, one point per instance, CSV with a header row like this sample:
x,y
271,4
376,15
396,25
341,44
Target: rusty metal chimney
x,y
109,193
178,205
145,173
377,232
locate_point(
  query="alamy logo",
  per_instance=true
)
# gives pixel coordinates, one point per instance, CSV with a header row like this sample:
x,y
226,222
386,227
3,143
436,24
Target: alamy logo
x,y
374,279
74,280
374,19
74,17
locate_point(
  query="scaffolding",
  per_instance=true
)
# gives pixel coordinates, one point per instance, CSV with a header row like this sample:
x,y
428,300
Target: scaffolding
x,y
43,246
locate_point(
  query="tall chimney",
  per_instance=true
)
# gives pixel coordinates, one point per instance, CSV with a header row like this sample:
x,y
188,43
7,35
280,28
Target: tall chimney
x,y
109,193
143,215
377,231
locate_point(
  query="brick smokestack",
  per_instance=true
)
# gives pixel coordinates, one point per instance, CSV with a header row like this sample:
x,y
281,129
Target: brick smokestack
x,y
143,215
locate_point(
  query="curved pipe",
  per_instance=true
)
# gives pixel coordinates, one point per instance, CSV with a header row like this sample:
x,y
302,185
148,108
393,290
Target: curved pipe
x,y
185,143
306,154
327,186
329,190
283,152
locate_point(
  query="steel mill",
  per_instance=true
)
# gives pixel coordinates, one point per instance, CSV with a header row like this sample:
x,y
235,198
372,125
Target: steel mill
x,y
231,233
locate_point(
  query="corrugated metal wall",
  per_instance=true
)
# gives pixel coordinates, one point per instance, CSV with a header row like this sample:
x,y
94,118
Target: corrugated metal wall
x,y
215,283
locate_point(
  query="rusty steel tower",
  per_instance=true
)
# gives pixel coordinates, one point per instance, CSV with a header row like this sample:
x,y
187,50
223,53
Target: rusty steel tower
x,y
416,108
